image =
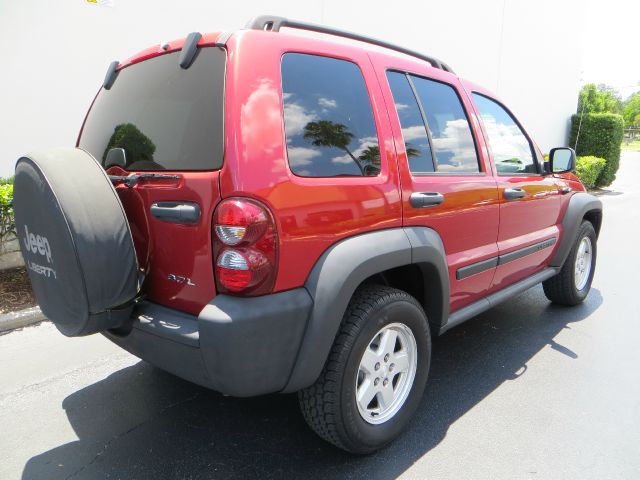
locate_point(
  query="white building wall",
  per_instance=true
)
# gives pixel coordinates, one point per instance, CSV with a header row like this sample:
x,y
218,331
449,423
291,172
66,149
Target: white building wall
x,y
56,52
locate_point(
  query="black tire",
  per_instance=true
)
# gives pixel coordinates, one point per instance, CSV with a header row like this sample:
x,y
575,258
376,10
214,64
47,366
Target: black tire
x,y
562,289
329,405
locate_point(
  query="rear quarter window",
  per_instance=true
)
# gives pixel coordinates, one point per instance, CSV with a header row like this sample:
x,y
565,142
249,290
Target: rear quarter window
x,y
164,117
329,124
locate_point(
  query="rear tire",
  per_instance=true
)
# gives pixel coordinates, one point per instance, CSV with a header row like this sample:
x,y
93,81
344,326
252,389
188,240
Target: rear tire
x,y
391,328
572,284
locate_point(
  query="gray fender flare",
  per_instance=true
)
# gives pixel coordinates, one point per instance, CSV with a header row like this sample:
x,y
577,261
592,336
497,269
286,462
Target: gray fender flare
x,y
343,267
580,204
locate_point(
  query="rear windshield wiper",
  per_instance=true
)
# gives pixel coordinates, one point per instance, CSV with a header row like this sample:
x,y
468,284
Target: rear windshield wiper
x,y
133,178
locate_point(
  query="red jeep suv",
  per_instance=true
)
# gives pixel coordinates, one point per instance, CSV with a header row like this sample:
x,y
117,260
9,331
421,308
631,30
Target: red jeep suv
x,y
261,211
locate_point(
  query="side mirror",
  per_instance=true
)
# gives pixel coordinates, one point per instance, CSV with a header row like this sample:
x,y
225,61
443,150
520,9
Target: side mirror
x,y
562,160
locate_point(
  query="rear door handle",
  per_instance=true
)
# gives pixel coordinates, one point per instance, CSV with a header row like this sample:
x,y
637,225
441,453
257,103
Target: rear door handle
x,y
514,193
426,199
176,212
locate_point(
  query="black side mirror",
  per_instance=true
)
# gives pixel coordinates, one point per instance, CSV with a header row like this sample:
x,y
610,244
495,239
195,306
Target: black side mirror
x,y
562,160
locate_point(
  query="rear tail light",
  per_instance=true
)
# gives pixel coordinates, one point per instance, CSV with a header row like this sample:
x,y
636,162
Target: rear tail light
x,y
245,247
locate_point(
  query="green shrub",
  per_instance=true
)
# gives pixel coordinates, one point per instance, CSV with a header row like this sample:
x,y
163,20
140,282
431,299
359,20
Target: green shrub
x,y
588,169
7,224
600,136
137,145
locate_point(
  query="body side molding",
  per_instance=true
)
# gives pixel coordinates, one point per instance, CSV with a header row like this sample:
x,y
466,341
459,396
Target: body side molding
x,y
524,251
477,267
337,274
483,265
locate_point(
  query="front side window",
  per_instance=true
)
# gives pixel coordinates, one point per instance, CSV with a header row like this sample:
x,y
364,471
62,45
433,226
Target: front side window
x,y
510,147
162,116
329,125
452,140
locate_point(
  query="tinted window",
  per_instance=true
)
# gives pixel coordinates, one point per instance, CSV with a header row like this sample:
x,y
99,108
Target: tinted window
x,y
164,117
510,147
414,132
451,136
328,119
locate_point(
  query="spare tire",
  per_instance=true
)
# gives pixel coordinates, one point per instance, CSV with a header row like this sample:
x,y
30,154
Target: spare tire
x,y
75,240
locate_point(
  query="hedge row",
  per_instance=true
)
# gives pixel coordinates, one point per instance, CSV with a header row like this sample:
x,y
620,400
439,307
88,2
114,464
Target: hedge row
x,y
588,169
600,136
7,225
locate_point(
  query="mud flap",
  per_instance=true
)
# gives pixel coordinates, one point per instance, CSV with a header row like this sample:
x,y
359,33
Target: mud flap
x,y
75,240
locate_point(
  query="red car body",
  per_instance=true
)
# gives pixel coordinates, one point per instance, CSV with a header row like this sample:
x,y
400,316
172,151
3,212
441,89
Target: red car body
x,y
475,222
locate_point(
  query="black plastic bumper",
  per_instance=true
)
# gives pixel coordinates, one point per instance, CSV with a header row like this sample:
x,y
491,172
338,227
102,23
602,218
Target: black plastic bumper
x,y
238,346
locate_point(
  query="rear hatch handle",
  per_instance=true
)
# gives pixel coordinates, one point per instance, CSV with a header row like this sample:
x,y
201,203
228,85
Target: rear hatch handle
x,y
176,212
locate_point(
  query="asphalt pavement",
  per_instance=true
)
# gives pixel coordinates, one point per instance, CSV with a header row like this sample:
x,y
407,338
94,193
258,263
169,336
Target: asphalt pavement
x,y
528,390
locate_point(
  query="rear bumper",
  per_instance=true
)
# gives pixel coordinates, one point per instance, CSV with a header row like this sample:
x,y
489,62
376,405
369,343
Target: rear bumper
x,y
238,346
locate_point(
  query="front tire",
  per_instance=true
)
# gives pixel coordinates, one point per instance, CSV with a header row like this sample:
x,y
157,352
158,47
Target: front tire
x,y
376,372
572,284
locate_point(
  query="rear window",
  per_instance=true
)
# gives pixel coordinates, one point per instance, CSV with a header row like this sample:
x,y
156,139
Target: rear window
x,y
414,131
451,137
162,116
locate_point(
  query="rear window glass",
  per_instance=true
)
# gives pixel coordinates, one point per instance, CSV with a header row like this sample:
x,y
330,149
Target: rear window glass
x,y
451,135
328,118
164,117
414,132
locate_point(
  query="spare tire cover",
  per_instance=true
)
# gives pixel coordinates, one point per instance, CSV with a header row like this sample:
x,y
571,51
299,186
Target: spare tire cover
x,y
75,240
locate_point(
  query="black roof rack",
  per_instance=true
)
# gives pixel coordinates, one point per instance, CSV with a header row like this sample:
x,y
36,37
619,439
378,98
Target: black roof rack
x,y
273,24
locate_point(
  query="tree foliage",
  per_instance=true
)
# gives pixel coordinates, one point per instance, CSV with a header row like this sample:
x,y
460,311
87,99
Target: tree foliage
x,y
7,224
588,169
599,98
631,111
371,155
325,133
138,147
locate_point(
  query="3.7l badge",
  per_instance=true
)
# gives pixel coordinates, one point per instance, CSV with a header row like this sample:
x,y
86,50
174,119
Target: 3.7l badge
x,y
179,279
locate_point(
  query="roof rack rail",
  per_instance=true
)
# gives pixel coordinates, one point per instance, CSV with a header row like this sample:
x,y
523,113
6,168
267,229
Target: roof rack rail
x,y
273,24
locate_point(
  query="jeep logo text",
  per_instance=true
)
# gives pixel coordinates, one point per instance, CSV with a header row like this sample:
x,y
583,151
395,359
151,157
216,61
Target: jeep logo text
x,y
37,244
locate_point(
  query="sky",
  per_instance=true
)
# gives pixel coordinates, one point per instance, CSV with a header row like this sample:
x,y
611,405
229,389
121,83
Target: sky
x,y
611,34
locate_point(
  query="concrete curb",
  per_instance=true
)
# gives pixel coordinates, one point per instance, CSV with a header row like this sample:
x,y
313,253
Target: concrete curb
x,y
21,318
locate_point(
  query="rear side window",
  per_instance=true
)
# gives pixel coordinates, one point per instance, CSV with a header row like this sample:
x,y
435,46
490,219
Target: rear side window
x,y
510,147
414,132
164,117
328,119
452,140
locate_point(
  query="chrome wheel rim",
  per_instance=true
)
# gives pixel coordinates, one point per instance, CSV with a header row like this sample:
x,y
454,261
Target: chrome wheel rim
x,y
386,373
582,268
